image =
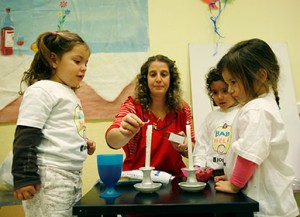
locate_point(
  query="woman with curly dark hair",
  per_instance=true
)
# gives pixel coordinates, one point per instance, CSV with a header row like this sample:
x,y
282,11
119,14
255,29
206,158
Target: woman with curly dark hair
x,y
157,101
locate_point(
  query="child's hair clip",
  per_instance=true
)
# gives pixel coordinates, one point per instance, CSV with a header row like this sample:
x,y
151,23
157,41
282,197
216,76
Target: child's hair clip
x,y
54,33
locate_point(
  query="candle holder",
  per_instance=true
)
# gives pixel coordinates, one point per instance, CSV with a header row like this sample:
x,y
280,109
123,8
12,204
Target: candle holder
x,y
191,184
147,185
191,175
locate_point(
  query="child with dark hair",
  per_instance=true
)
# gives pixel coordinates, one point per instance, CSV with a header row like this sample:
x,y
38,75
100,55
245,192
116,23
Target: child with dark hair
x,y
214,137
256,160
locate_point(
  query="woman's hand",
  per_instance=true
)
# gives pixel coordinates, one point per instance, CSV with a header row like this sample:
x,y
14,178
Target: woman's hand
x,y
180,147
91,146
27,192
130,125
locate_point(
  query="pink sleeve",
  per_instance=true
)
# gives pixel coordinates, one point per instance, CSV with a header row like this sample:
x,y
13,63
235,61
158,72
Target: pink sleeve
x,y
243,171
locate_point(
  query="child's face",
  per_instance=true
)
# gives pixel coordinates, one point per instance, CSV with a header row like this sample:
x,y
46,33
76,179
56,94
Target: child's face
x,y
220,95
235,87
70,69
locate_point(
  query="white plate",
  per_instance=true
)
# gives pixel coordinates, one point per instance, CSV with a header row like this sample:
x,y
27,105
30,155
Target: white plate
x,y
192,186
147,188
128,181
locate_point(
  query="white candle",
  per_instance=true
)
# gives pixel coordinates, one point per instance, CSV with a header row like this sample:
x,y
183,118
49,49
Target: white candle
x,y
148,145
190,149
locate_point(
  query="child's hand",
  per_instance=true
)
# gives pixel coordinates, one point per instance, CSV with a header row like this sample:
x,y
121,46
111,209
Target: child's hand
x,y
220,178
91,146
226,186
27,192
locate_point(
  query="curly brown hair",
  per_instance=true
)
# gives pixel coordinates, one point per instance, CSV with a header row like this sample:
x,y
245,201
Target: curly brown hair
x,y
174,93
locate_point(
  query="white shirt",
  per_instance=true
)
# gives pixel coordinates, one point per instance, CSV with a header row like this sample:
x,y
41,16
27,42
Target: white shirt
x,y
214,138
259,136
55,108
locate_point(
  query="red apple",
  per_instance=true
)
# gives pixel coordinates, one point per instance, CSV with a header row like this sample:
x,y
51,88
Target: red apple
x,y
204,174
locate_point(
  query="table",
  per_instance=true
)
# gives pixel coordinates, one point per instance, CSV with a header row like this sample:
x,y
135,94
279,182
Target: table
x,y
169,199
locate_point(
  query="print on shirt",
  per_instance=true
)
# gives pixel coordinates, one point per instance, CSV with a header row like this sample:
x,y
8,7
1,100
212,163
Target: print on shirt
x,y
221,142
80,124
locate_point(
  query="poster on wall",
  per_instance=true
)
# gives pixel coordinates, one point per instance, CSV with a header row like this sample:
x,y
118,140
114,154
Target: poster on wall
x,y
116,31
203,57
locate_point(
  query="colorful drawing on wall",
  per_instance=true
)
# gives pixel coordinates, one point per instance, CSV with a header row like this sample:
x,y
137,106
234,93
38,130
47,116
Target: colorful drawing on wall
x,y
116,31
62,14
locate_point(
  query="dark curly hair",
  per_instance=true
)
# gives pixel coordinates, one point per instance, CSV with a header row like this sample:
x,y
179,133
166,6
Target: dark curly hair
x,y
174,93
212,76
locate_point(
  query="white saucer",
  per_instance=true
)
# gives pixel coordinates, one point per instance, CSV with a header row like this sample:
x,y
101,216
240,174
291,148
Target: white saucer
x,y
147,188
192,186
